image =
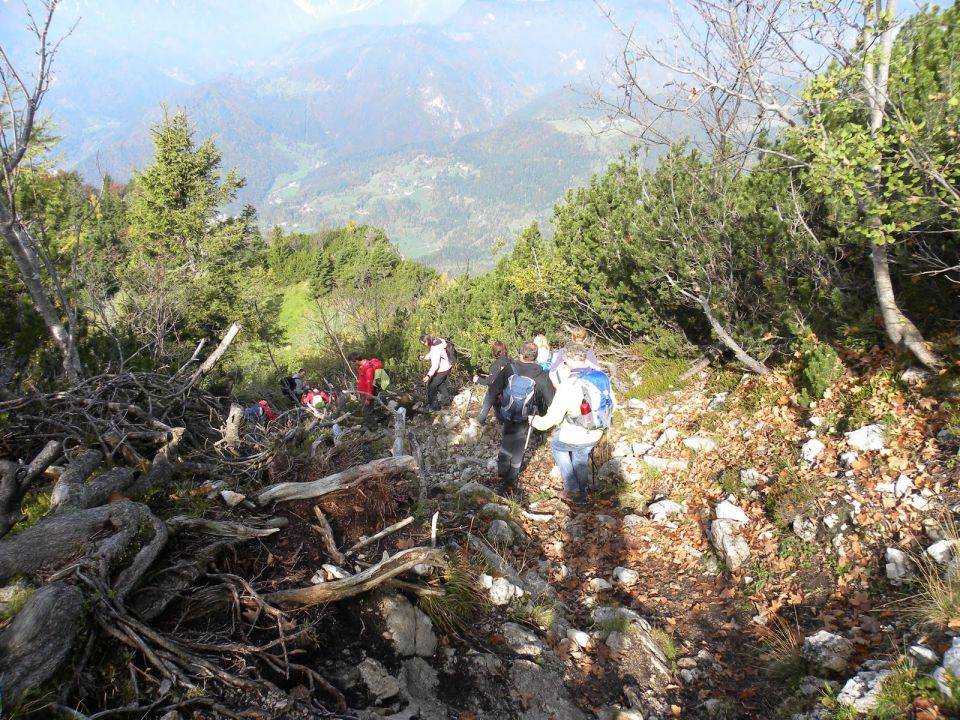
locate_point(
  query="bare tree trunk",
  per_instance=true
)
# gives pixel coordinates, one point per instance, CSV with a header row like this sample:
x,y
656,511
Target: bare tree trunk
x,y
29,269
876,75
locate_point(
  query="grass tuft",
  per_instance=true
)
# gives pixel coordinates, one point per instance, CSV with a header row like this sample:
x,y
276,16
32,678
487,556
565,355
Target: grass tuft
x,y
463,598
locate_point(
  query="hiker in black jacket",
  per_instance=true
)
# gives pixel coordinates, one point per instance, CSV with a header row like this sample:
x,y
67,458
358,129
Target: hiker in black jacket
x,y
531,392
501,358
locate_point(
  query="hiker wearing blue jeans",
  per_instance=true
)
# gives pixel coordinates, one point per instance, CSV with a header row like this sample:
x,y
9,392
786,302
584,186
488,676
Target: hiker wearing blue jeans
x,y
571,443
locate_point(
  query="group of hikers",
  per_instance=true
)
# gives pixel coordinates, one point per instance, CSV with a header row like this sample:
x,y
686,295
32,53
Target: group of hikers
x,y
540,389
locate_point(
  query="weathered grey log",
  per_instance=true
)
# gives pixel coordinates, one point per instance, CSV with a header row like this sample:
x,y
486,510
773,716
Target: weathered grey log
x,y
68,492
16,480
348,478
361,582
326,537
38,640
102,488
161,470
208,364
383,533
237,531
62,537
231,427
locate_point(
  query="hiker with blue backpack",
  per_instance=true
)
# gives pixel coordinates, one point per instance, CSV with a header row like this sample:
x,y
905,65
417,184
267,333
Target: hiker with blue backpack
x,y
524,390
583,409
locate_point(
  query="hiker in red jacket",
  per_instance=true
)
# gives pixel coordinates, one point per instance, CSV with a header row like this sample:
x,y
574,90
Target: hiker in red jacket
x,y
366,386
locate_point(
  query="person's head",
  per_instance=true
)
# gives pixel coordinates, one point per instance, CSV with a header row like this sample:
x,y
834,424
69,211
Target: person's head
x,y
575,355
498,349
578,336
354,357
528,351
426,340
541,342
263,403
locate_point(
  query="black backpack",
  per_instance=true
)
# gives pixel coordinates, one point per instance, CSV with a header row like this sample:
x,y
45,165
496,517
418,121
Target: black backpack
x,y
452,354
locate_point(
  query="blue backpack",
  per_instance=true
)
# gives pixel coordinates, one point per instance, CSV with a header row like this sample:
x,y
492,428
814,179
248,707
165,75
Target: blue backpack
x,y
255,415
595,386
516,402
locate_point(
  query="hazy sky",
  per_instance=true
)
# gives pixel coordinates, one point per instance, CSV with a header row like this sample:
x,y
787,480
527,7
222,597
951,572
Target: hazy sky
x,y
199,38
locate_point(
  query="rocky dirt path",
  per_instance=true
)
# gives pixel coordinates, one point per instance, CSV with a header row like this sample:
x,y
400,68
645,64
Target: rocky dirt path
x,y
727,527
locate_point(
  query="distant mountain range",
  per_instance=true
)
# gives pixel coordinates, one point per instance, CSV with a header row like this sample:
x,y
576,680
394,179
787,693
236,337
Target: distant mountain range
x,y
448,135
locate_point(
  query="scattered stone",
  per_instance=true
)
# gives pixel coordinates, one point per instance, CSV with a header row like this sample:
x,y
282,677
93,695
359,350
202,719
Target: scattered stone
x,y
848,458
862,691
728,511
502,591
475,488
410,629
898,565
657,463
945,437
536,517
918,501
700,444
500,533
751,477
621,450
495,510
231,498
729,543
869,437
485,581
714,707
521,640
942,551
811,450
641,448
687,662
717,401
579,637
827,651
662,509
636,404
903,486
805,528
625,576
599,585
666,436
380,684
951,665
632,521
450,421
922,655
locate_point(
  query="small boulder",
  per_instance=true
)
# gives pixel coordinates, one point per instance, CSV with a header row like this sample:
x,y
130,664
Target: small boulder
x,y
903,486
500,533
869,437
231,498
599,585
827,651
862,691
495,510
897,566
751,477
730,545
805,528
579,638
728,511
625,576
951,665
380,684
521,640
641,448
666,436
502,591
811,450
700,444
922,656
662,509
942,551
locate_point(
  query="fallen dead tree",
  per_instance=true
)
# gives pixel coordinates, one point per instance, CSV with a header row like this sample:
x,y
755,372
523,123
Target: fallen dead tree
x,y
361,582
385,467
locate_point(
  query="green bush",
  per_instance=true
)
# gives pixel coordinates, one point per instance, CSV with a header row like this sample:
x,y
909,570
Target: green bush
x,y
821,369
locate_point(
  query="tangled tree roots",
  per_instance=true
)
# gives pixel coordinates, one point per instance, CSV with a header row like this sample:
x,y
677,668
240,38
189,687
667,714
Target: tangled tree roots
x,y
107,568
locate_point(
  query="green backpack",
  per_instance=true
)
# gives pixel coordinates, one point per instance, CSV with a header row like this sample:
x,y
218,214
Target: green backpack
x,y
380,379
